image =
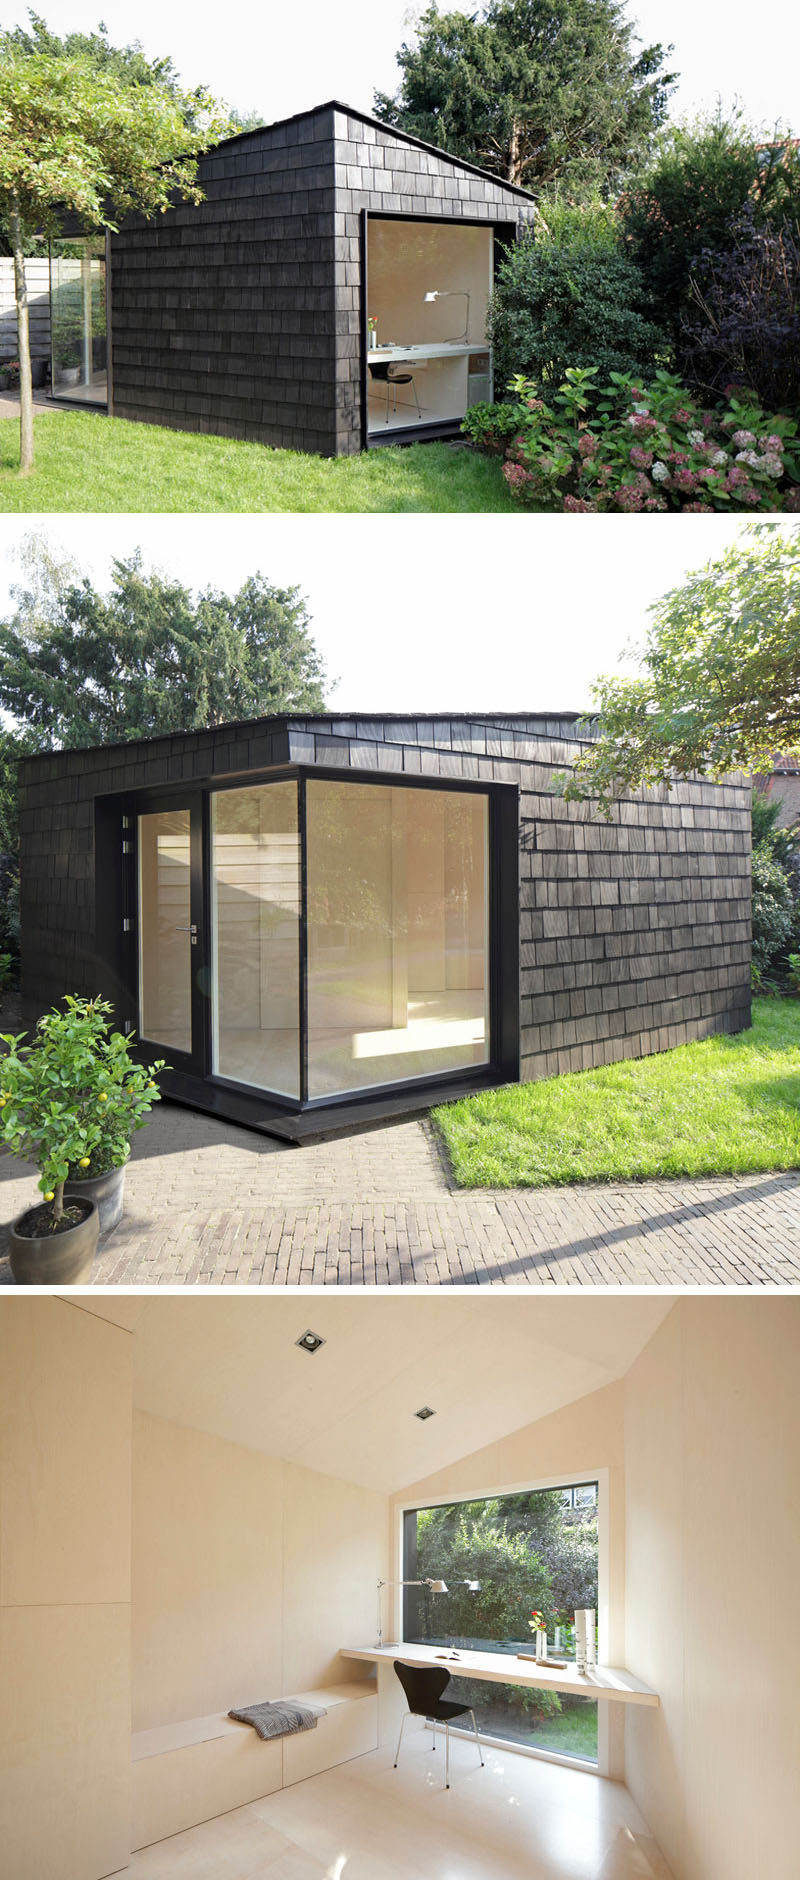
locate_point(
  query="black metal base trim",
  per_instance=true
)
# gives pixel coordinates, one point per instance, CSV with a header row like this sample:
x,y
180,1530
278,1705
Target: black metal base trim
x,y
415,434
294,1127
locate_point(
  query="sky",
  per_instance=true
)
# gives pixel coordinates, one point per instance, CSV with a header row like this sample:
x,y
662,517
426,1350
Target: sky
x,y
462,614
279,58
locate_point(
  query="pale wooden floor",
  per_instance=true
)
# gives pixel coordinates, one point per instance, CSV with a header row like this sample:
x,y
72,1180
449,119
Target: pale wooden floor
x,y
516,1819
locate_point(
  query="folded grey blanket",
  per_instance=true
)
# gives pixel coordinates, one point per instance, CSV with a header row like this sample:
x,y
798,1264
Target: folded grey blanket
x,y
279,1718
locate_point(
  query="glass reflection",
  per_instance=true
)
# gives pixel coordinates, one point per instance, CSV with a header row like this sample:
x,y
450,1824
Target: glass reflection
x,y
78,324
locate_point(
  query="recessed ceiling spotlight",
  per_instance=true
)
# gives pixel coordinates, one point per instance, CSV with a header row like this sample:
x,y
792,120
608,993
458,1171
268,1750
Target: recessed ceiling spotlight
x,y
310,1341
425,1413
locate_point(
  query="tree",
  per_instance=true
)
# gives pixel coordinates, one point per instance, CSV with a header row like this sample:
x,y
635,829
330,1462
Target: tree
x,y
534,90
78,667
76,142
686,203
719,688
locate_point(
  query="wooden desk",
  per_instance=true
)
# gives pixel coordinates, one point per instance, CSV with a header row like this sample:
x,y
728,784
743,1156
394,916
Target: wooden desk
x,y
602,1681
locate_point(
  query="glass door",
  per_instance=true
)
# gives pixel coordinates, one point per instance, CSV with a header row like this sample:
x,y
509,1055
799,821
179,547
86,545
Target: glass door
x,y
170,950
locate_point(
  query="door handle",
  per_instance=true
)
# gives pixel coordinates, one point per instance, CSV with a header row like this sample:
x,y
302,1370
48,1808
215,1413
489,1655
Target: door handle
x,y
190,930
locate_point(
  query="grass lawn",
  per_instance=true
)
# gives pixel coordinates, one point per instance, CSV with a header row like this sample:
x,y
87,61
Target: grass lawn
x,y
725,1106
86,461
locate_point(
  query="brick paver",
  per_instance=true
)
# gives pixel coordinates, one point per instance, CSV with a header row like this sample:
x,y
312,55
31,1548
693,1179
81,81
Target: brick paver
x,y
210,1204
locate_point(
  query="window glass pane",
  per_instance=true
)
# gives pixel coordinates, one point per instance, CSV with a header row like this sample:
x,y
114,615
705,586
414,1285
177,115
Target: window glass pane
x,y
165,966
255,868
533,1551
78,320
398,976
429,287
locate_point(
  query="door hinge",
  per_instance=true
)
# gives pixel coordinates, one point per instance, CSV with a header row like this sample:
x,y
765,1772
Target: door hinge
x,y
127,848
127,925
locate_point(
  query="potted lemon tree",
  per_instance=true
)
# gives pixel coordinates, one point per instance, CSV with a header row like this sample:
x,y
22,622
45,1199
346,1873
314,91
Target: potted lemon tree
x,y
70,1101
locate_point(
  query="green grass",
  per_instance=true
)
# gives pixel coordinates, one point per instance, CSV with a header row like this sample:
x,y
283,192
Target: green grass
x,y
86,461
574,1733
726,1106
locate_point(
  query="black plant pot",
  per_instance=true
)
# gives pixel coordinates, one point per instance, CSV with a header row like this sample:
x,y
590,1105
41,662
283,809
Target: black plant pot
x,y
63,1259
39,371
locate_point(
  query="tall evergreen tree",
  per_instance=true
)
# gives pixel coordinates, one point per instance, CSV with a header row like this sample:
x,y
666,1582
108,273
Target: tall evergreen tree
x,y
538,91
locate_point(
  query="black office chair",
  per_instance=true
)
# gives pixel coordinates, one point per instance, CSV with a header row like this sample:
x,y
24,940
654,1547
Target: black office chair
x,y
385,374
423,1686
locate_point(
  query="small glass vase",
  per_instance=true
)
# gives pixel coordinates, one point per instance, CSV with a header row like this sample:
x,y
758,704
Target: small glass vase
x,y
541,1643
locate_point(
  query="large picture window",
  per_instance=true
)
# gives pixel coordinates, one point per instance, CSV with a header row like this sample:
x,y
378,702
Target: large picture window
x,y
428,287
398,969
536,1550
78,320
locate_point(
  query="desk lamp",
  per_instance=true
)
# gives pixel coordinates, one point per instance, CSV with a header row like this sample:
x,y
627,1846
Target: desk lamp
x,y
452,293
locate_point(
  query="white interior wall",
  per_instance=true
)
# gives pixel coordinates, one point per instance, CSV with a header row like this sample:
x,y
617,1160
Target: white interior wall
x,y
249,1573
712,1416
65,1588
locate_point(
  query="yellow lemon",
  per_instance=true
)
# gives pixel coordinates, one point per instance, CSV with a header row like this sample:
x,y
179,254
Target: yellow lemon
x,y
49,1195
84,1162
102,1096
151,1085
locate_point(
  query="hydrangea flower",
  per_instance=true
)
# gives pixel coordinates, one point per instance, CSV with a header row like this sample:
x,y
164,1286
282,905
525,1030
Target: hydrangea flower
x,y
516,476
748,456
743,439
577,506
772,443
697,439
587,444
720,457
771,465
660,473
641,458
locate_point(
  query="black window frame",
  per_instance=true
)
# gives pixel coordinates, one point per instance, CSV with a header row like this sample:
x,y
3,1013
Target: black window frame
x,y
116,938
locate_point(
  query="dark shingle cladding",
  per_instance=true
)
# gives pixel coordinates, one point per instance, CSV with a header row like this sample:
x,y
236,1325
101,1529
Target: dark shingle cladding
x,y
240,315
635,935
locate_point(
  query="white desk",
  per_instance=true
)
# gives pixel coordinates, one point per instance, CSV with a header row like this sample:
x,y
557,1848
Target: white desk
x,y
602,1681
428,349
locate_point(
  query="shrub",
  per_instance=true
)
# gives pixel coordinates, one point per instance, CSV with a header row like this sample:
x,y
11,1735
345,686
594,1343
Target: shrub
x,y
576,304
489,427
5,970
688,200
773,909
71,1099
623,446
745,327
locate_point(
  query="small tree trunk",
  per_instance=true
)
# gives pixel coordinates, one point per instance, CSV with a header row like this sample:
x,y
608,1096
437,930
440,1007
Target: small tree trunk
x,y
513,167
58,1201
24,343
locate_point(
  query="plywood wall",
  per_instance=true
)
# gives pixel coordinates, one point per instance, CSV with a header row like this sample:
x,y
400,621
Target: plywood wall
x,y
65,1471
248,1574
712,1417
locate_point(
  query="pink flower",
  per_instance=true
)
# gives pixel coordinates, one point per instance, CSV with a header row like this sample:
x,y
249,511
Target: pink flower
x,y
587,444
743,439
751,497
683,415
737,478
698,509
577,507
516,477
773,444
641,458
639,423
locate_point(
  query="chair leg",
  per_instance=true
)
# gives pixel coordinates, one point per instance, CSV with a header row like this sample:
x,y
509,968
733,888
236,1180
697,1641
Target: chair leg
x,y
387,401
416,395
447,1756
477,1738
433,1721
400,1738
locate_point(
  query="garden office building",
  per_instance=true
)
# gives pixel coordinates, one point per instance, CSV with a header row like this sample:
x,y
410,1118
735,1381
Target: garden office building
x,y
329,293
314,919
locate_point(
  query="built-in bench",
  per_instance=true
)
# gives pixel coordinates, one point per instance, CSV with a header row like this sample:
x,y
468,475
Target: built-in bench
x,y
184,1773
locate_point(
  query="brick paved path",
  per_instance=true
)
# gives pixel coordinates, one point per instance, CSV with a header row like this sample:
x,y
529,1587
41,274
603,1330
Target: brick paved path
x,y
209,1204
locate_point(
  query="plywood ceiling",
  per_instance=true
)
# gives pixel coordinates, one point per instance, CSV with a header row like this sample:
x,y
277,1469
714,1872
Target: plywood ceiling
x,y
487,1365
